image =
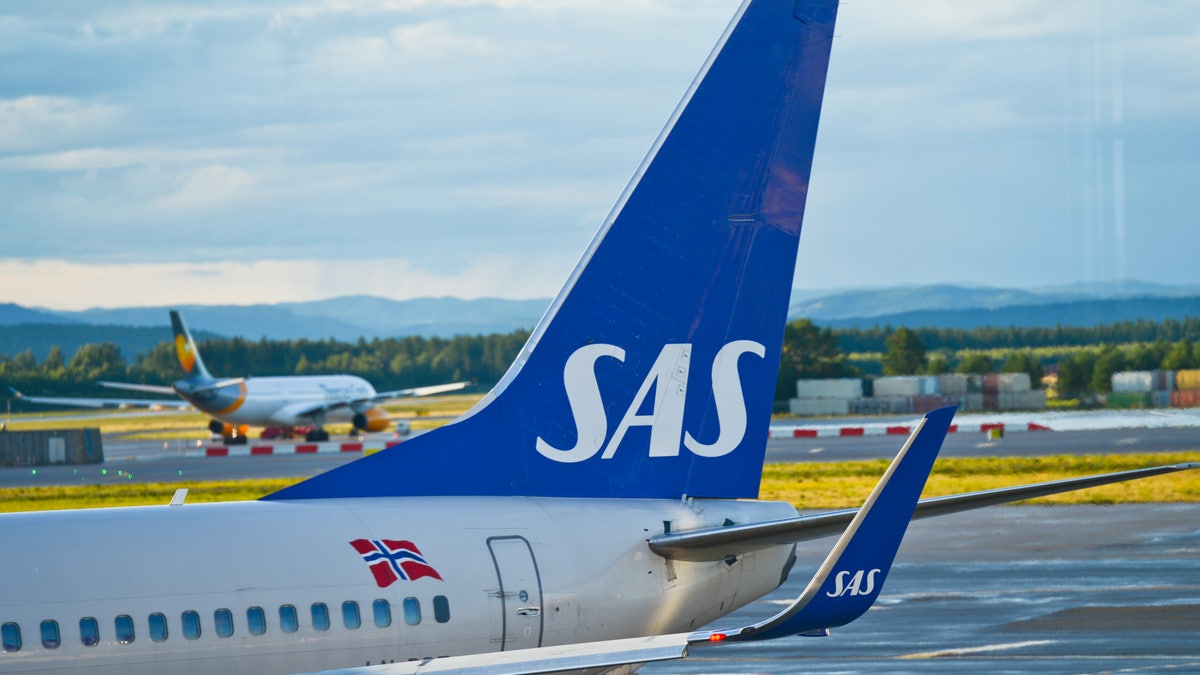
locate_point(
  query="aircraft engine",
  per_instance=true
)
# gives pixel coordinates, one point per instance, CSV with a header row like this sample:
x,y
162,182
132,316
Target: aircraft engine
x,y
373,419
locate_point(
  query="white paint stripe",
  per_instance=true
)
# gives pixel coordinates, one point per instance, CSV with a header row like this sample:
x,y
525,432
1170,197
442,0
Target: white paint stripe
x,y
983,649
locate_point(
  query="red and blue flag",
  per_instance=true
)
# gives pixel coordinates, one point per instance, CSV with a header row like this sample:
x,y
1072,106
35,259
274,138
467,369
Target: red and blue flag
x,y
392,560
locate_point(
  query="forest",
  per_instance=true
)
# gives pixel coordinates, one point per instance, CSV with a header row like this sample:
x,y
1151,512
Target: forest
x,y
1082,358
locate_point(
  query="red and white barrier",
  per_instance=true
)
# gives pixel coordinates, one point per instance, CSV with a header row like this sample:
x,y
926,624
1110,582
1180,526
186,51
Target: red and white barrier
x,y
831,431
283,449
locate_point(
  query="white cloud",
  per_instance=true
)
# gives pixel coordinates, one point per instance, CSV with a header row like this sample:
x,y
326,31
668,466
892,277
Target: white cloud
x,y
40,122
96,159
208,187
41,283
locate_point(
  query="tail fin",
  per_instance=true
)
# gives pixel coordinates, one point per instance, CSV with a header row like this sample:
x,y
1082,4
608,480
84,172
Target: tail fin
x,y
186,351
653,372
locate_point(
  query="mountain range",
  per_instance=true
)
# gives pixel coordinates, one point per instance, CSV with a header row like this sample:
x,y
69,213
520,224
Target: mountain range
x,y
349,318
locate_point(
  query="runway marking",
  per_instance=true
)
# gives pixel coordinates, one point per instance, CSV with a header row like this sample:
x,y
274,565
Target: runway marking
x,y
1003,646
816,450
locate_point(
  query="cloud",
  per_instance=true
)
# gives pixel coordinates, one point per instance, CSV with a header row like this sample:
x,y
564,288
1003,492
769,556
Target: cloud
x,y
209,187
38,122
40,283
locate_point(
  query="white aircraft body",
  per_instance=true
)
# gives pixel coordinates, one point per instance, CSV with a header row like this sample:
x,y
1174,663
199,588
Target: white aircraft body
x,y
596,510
284,402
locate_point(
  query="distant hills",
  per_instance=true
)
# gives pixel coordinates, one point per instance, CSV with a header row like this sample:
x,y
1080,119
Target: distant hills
x,y
137,329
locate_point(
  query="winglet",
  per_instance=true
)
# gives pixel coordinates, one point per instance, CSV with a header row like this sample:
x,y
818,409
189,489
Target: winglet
x,y
850,579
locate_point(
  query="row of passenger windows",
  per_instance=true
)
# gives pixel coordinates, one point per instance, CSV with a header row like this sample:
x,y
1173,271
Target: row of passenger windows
x,y
223,622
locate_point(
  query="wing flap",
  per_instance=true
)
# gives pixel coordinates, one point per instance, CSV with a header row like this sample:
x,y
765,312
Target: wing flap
x,y
605,654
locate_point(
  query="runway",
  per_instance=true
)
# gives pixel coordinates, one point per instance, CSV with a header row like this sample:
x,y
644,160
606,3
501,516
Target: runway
x,y
1019,589
159,461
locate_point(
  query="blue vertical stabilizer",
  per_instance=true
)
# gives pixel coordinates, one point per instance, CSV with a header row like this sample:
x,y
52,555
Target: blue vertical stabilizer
x,y
653,372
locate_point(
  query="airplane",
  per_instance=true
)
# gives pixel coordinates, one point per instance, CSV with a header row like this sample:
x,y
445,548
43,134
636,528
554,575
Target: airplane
x,y
596,510
282,404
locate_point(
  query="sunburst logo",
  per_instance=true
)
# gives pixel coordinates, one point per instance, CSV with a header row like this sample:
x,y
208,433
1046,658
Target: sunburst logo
x,y
183,349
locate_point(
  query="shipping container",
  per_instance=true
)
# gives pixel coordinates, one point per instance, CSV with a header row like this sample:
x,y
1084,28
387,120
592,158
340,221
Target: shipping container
x,y
847,388
59,446
819,406
1187,379
1132,381
1185,398
1123,400
929,385
1164,380
952,384
975,384
925,403
1160,399
904,385
991,385
971,402
1011,383
991,401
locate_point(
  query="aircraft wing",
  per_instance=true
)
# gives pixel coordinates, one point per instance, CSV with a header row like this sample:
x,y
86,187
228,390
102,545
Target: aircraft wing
x,y
419,391
566,658
103,402
722,542
310,410
151,388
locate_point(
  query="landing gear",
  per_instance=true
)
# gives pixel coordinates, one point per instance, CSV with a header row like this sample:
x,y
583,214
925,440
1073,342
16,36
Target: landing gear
x,y
234,440
317,435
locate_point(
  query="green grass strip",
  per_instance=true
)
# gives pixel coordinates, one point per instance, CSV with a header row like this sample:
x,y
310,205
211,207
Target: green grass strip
x,y
809,485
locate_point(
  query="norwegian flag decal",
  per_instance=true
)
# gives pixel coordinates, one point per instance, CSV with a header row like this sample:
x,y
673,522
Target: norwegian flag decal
x,y
392,560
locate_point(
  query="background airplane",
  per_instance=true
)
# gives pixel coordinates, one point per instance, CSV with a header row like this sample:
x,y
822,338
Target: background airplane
x,y
282,404
594,511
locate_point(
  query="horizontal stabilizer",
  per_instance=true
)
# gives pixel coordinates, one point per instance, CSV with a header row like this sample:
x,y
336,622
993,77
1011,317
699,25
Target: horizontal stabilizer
x,y
719,543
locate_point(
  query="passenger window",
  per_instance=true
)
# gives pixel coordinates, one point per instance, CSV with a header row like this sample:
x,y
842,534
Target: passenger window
x,y
383,613
158,627
223,619
412,611
320,616
51,638
191,625
288,621
350,615
441,609
256,620
124,624
89,632
10,636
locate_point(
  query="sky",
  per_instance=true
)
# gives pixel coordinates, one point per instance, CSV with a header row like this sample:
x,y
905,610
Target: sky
x,y
236,152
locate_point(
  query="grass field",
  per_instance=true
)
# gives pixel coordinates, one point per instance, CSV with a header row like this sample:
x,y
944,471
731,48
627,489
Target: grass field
x,y
823,485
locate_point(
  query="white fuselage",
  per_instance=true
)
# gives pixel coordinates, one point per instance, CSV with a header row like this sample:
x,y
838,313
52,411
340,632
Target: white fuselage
x,y
283,401
516,572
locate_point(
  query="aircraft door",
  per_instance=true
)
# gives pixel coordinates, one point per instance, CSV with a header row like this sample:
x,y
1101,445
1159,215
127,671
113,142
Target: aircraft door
x,y
518,601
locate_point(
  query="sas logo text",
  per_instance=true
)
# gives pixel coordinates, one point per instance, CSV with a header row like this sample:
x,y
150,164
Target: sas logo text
x,y
669,379
861,582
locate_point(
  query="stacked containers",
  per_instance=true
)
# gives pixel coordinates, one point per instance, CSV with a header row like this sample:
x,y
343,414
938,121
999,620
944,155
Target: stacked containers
x,y
1141,389
825,397
1187,389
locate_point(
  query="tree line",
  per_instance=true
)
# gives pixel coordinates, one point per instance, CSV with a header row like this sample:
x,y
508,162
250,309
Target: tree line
x,y
1083,358
393,363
